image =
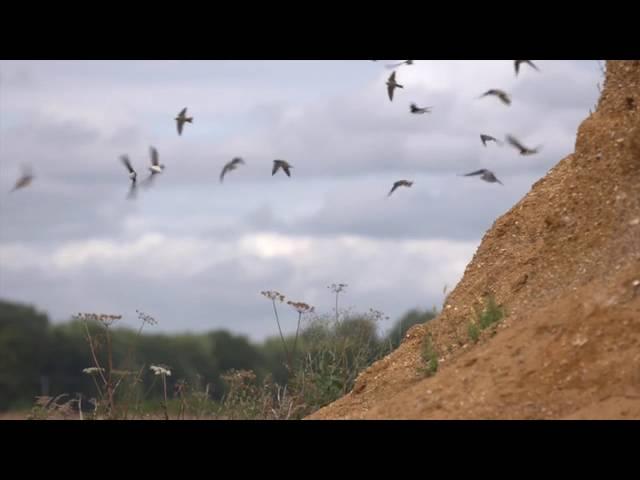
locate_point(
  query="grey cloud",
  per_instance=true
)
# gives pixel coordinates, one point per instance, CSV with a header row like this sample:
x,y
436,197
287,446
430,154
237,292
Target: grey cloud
x,y
331,120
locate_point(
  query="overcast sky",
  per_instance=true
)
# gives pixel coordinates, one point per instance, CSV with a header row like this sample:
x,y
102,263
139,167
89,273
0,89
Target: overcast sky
x,y
196,253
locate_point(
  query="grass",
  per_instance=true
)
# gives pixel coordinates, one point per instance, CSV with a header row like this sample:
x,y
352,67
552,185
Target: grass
x,y
491,314
321,363
474,332
429,358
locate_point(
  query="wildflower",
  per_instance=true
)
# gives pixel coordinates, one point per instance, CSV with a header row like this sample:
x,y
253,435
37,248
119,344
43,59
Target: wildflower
x,y
337,288
273,295
146,318
301,307
160,370
106,319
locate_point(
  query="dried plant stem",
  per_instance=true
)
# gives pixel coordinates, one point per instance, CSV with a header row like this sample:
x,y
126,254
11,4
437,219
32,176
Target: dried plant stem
x,y
80,406
93,353
164,384
110,389
100,394
295,342
284,343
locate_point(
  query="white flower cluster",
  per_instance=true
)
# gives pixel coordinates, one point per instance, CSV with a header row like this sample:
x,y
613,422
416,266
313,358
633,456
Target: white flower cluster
x,y
159,370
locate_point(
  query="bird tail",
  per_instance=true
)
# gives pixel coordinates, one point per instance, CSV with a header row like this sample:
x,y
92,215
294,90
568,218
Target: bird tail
x,y
189,119
399,86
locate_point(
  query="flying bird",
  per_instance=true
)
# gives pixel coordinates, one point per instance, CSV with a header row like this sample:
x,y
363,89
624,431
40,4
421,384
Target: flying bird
x,y
281,164
485,175
419,110
517,64
406,62
392,85
181,119
488,138
25,179
523,150
400,183
503,96
232,165
155,168
133,175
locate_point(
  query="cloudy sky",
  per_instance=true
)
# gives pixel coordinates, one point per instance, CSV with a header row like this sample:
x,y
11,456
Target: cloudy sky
x,y
196,253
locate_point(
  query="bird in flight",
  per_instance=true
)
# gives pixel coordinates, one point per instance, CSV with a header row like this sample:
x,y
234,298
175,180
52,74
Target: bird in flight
x,y
517,64
392,85
156,167
398,184
396,65
488,138
514,142
25,179
232,165
133,175
281,164
503,96
486,175
181,119
419,110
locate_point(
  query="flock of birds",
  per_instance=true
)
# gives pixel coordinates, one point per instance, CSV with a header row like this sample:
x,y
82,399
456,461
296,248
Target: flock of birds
x,y
392,84
484,174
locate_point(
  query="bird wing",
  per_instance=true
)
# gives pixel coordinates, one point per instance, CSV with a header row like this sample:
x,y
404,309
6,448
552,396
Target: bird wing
x,y
276,166
224,172
285,167
154,156
477,172
179,124
393,189
533,65
132,191
127,163
183,112
514,142
390,87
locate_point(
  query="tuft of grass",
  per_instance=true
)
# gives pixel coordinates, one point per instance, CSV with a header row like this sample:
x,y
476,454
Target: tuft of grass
x,y
490,315
474,332
429,358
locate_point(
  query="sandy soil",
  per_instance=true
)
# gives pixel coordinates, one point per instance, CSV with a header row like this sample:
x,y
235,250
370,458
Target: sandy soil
x,y
565,264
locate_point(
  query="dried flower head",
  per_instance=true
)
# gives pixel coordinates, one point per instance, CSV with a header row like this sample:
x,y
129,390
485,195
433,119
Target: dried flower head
x,y
301,307
377,315
337,287
145,318
160,370
238,377
273,295
105,319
